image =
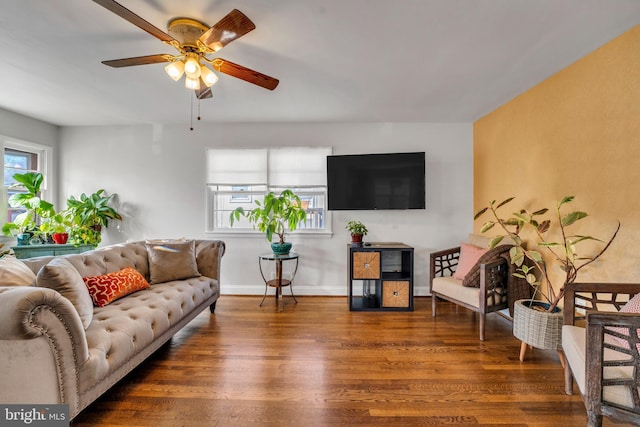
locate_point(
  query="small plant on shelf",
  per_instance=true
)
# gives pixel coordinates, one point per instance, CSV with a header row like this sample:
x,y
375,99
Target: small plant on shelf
x,y
357,230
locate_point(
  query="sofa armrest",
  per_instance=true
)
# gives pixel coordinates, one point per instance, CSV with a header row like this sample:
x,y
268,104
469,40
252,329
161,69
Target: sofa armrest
x,y
42,342
209,256
444,262
493,285
612,378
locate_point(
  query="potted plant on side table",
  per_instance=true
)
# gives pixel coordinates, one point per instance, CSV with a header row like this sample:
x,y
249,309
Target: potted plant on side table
x,y
273,216
538,322
357,230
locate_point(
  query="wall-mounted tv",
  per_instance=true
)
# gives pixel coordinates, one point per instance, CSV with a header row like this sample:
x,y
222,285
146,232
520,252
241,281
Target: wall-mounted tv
x,y
376,181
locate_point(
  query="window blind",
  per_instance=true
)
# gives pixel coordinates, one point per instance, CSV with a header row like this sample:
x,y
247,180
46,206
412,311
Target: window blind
x,y
236,166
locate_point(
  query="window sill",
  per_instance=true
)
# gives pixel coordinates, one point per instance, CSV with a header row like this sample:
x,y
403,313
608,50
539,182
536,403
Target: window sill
x,y
251,234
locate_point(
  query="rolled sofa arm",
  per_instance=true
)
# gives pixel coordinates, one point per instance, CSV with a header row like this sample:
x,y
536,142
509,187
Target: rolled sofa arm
x,y
42,341
209,256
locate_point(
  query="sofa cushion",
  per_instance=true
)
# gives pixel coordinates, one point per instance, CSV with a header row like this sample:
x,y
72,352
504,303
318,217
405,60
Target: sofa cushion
x,y
469,255
61,276
453,288
14,272
172,260
109,287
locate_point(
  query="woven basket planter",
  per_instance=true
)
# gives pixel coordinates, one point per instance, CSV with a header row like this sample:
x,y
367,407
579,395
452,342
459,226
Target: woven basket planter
x,y
539,329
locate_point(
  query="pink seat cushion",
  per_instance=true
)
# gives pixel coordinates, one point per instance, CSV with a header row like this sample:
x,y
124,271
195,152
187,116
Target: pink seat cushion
x,y
469,255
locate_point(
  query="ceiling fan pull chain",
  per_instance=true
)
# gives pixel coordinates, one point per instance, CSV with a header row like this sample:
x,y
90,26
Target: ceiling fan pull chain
x,y
191,105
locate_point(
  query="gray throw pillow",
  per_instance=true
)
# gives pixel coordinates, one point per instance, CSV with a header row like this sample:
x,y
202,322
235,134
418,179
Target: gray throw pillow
x,y
63,277
172,260
472,279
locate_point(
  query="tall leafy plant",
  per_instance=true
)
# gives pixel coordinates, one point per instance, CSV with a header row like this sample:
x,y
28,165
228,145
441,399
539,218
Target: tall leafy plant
x,y
529,261
274,214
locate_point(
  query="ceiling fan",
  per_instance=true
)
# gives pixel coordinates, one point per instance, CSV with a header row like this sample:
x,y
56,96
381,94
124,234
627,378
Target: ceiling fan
x,y
195,41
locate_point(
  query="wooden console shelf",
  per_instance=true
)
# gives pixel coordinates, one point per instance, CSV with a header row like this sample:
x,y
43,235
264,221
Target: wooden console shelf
x,y
30,251
380,276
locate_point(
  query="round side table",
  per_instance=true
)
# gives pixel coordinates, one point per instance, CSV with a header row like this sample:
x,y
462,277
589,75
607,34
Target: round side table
x,y
278,282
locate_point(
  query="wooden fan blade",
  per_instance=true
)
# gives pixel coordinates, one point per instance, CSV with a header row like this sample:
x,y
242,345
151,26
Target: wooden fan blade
x,y
231,27
244,73
204,92
138,60
125,13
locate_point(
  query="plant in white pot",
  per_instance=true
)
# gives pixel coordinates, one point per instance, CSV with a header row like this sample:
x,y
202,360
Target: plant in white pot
x,y
531,265
273,216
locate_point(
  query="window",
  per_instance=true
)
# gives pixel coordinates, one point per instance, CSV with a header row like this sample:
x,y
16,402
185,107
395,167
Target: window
x,y
22,157
238,177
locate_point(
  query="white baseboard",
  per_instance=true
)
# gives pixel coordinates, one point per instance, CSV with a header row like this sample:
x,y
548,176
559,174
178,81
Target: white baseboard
x,y
302,290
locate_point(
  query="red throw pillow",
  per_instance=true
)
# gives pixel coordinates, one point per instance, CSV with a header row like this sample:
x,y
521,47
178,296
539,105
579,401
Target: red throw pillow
x,y
469,255
109,287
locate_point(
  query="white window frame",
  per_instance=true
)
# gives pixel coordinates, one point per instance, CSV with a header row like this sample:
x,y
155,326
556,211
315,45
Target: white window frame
x,y
45,166
258,191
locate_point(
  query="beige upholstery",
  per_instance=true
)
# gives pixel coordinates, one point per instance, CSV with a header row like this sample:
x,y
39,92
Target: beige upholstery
x,y
453,288
46,356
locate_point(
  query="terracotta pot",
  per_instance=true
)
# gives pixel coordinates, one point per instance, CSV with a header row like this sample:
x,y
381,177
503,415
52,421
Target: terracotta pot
x,y
356,238
60,238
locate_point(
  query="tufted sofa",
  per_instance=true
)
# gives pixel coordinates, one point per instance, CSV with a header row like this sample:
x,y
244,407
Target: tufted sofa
x,y
47,356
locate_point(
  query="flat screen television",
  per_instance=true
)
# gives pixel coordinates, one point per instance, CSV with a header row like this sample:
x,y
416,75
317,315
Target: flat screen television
x,y
376,181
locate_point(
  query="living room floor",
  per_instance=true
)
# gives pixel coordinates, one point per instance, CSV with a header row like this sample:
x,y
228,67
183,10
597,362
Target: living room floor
x,y
317,364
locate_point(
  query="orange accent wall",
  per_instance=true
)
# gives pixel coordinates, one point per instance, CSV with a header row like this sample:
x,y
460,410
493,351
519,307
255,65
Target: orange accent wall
x,y
576,133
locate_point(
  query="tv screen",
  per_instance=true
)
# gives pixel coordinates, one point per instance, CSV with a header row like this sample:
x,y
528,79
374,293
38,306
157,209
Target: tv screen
x,y
376,181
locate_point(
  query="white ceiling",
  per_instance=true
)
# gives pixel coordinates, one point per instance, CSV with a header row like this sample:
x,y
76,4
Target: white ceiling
x,y
337,60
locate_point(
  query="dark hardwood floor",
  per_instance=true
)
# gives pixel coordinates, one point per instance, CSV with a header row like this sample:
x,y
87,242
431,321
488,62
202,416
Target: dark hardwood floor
x,y
317,364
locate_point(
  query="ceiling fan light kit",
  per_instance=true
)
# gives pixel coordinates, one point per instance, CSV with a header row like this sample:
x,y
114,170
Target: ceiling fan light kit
x,y
175,70
194,40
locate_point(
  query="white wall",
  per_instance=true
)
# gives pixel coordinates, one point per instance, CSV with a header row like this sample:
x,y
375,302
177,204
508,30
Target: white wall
x,y
159,174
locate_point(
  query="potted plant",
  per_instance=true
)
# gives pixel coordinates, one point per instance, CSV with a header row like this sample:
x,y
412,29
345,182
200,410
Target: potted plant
x,y
88,215
357,230
531,265
59,226
273,216
26,224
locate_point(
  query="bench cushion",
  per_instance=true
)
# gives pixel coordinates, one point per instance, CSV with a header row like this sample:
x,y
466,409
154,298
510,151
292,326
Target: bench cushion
x,y
574,343
453,288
